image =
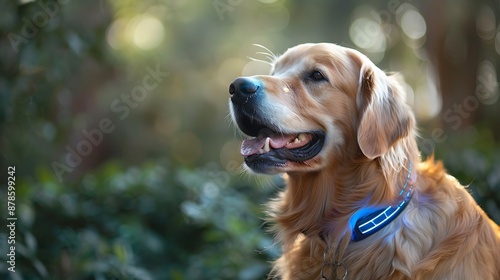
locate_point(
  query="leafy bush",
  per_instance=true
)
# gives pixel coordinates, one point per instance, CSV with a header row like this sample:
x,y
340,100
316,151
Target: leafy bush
x,y
148,222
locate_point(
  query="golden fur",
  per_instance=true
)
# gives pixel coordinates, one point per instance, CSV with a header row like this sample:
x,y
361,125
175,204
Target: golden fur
x,y
370,140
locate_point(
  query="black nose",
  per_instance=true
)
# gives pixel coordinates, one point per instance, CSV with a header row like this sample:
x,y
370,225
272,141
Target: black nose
x,y
244,86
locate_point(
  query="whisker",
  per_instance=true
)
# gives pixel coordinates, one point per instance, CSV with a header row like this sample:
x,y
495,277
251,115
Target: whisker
x,y
269,56
260,60
266,49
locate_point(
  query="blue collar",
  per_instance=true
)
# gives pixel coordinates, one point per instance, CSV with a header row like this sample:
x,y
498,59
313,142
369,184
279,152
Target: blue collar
x,y
375,220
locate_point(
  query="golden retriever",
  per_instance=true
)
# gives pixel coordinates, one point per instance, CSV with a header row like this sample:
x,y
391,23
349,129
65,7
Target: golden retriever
x,y
359,203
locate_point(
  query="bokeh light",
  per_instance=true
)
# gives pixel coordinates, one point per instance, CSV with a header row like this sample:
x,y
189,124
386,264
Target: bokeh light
x,y
148,33
413,24
486,83
486,23
115,35
368,35
428,101
143,31
267,1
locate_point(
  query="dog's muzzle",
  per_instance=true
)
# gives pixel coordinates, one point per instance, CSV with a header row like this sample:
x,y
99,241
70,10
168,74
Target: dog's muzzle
x,y
269,146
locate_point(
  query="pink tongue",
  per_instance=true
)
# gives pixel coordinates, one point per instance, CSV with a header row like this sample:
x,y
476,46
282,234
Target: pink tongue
x,y
253,146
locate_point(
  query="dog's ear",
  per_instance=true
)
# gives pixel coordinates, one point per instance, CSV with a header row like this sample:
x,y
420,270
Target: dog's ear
x,y
383,114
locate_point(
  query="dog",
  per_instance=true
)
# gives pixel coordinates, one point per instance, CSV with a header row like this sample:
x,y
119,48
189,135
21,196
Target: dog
x,y
359,202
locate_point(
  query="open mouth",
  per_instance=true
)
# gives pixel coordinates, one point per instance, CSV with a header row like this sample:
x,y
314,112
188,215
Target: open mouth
x,y
269,147
273,149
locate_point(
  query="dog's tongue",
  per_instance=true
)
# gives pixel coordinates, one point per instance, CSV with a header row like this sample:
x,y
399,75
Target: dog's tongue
x,y
253,146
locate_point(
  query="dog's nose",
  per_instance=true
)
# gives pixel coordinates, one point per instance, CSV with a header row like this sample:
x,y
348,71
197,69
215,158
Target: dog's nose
x,y
244,86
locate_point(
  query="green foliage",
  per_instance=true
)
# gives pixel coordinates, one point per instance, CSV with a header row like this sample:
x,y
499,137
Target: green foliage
x,y
148,222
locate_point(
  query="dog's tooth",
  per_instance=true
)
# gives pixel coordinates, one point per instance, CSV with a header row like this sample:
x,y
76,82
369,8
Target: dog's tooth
x,y
302,137
296,140
267,148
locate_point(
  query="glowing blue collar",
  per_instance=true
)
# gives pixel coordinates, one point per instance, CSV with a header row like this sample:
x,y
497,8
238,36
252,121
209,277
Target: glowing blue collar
x,y
376,219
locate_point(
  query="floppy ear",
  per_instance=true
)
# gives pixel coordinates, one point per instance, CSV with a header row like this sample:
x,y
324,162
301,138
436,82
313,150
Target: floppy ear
x,y
383,114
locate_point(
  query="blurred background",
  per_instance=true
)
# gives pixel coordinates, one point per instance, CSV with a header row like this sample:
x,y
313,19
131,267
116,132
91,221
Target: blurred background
x,y
114,114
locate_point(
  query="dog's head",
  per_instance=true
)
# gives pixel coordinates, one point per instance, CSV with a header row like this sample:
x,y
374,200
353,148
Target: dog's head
x,y
321,103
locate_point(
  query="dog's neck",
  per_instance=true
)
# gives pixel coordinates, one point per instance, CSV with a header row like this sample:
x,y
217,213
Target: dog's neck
x,y
322,203
368,220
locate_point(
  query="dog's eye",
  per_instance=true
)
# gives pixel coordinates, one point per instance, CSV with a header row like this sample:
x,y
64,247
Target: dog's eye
x,y
317,76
